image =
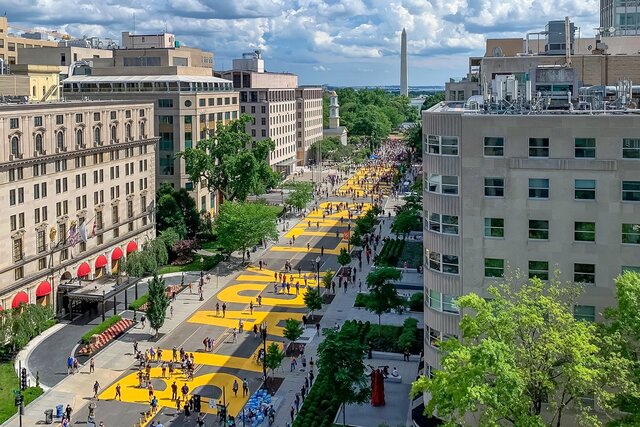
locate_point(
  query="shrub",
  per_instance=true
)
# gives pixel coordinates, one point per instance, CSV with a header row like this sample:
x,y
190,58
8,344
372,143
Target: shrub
x,y
98,329
361,300
416,302
135,305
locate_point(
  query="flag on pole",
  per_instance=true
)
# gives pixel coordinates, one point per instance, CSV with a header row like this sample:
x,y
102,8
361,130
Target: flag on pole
x,y
73,234
82,231
93,230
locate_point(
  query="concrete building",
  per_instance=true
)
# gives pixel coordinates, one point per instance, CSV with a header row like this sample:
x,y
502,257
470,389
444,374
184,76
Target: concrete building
x,y
36,83
278,106
189,102
620,17
62,57
527,192
77,180
10,43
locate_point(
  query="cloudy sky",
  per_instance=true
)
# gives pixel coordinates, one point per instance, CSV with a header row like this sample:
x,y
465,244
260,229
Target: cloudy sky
x,y
338,42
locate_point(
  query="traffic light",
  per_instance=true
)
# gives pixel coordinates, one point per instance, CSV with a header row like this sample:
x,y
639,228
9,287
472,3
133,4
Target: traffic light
x,y
23,379
196,403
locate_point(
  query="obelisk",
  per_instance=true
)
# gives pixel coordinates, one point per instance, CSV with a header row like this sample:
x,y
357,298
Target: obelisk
x,y
404,72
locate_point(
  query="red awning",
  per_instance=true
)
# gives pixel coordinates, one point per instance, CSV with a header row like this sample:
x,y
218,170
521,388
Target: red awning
x,y
116,254
20,298
132,247
84,270
44,289
101,261
0,308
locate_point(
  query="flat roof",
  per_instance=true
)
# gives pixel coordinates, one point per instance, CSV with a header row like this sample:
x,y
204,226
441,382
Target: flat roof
x,y
135,79
71,103
460,107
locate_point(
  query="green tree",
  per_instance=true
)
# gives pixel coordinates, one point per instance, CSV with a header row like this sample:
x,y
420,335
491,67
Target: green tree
x,y
169,237
230,162
169,214
406,221
293,329
522,358
344,258
312,300
327,278
240,225
341,356
371,121
274,357
432,100
134,266
366,223
327,146
383,296
158,251
301,195
157,303
414,140
622,328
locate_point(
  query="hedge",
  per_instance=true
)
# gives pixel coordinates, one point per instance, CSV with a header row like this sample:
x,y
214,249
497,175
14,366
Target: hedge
x,y
361,300
98,329
135,305
390,253
416,302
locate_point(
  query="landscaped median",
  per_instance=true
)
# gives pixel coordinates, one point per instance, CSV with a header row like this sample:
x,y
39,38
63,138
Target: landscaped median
x,y
104,333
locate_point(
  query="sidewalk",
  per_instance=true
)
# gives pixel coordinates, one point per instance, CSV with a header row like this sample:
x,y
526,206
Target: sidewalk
x,y
116,358
338,311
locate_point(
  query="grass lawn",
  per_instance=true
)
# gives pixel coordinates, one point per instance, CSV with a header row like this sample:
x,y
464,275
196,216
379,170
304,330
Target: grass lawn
x,y
195,265
277,210
9,382
412,253
210,245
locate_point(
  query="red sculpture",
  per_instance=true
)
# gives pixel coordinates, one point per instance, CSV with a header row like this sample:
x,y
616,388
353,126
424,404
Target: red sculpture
x,y
377,388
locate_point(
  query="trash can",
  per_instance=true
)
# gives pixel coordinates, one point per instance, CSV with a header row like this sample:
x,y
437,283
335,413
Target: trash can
x,y
59,409
48,416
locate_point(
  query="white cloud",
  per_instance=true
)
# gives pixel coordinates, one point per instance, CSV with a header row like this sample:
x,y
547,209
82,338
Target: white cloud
x,y
323,33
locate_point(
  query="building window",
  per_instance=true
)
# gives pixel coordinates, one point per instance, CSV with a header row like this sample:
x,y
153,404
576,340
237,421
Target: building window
x,y
445,224
538,147
434,337
584,273
440,184
493,146
585,189
631,234
443,263
17,250
585,148
493,267
631,191
584,312
443,145
494,227
114,133
15,146
538,229
584,231
631,148
114,215
538,188
539,269
494,187
14,123
96,135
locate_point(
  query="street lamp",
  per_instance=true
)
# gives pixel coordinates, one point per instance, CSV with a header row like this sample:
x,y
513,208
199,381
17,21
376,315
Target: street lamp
x,y
263,333
318,259
201,278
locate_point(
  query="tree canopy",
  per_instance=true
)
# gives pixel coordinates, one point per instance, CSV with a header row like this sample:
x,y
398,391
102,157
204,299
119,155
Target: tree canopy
x,y
341,356
176,209
157,303
240,225
293,329
406,221
300,196
312,299
523,358
231,162
274,357
344,258
383,296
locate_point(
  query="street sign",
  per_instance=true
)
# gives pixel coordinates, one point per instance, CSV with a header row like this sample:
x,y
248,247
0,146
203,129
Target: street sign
x,y
212,403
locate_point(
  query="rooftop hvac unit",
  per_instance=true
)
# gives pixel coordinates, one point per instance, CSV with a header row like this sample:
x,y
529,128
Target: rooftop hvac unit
x,y
505,87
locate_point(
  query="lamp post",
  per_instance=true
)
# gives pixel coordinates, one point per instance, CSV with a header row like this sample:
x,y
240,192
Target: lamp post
x,y
201,278
263,332
318,272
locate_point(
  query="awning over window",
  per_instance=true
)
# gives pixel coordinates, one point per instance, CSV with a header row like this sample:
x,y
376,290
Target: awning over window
x,y
132,247
44,289
101,261
116,254
84,270
20,298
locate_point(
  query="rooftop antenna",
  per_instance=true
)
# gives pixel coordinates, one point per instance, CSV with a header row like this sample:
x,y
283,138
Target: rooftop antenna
x,y
134,22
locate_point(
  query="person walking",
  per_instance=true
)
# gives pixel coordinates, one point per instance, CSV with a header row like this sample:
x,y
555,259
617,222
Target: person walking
x,y
251,306
185,391
174,391
259,300
224,309
217,309
171,312
235,388
297,288
292,412
245,387
118,393
96,389
92,365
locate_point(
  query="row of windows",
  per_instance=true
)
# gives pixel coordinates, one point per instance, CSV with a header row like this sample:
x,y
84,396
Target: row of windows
x,y
494,146
14,122
584,189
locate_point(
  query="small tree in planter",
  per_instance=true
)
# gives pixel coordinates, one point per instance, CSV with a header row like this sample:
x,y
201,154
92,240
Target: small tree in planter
x,y
344,258
157,303
293,330
312,300
274,357
383,296
327,278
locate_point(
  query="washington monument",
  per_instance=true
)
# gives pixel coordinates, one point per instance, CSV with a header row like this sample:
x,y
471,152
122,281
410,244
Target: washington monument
x,y
404,73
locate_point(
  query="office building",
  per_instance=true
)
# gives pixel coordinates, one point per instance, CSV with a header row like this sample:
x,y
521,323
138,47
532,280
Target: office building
x,y
288,114
189,101
35,83
11,43
620,17
77,184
